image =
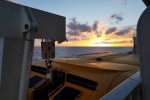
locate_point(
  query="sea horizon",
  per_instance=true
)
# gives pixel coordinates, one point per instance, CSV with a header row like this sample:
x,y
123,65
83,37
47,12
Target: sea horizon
x,y
71,51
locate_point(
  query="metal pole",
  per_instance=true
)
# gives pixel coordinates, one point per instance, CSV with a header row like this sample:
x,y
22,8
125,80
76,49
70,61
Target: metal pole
x,y
27,60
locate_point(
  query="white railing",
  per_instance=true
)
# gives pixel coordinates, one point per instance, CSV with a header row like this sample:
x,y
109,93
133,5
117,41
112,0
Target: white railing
x,y
128,90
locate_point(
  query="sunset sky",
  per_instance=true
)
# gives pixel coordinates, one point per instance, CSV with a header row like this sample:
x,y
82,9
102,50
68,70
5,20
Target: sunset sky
x,y
94,22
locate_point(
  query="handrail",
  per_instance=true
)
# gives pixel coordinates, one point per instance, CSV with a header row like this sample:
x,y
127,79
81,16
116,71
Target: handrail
x,y
122,91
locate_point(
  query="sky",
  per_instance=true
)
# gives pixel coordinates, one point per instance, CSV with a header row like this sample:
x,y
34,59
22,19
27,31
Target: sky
x,y
94,22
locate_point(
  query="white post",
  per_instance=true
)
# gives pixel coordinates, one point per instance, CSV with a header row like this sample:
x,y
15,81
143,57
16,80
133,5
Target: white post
x,y
27,60
11,67
143,36
1,57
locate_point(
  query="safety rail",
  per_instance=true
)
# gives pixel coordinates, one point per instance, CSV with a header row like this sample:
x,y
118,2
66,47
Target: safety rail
x,y
130,89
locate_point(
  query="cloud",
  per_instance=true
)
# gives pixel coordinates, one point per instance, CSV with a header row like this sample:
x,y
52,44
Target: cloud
x,y
98,27
125,31
77,26
95,25
80,30
115,41
121,41
123,2
116,18
83,36
77,30
110,30
73,32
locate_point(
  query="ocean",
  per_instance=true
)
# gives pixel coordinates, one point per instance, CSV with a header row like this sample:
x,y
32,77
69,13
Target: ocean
x,y
74,51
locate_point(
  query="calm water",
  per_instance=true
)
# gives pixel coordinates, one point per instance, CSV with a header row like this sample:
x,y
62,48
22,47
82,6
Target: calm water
x,y
74,51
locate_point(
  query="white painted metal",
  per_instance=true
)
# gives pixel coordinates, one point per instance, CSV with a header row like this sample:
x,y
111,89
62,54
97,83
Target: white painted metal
x,y
50,26
143,35
12,59
27,60
19,26
14,17
1,53
10,19
122,91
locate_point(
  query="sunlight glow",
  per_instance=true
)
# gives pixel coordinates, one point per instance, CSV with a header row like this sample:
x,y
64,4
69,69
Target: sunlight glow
x,y
100,42
102,45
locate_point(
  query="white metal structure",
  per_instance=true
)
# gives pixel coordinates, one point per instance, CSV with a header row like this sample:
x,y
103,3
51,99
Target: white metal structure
x,y
19,26
125,89
143,34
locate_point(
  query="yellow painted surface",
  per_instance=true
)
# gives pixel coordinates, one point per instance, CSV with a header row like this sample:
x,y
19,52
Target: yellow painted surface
x,y
129,59
108,73
37,74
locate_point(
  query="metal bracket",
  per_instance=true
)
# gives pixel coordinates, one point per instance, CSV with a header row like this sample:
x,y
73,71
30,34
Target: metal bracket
x,y
48,49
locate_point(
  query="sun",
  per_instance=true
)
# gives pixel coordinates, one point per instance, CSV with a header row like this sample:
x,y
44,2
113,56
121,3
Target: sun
x,y
100,43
